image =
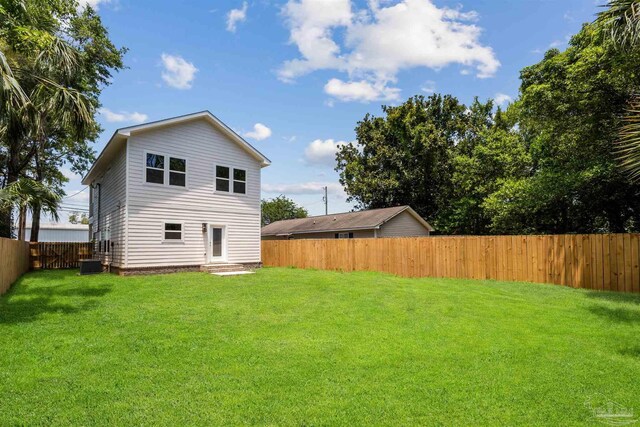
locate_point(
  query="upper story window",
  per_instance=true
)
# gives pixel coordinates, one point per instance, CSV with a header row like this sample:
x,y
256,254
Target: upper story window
x,y
231,180
239,181
156,169
222,178
177,171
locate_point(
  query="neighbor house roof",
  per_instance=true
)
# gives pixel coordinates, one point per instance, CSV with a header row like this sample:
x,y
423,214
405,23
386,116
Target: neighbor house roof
x,y
59,226
120,136
363,220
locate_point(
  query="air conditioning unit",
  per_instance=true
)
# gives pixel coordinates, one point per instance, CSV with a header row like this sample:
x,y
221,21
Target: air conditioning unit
x,y
90,266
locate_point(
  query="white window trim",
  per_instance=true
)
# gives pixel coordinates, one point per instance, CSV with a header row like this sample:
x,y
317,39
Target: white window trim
x,y
164,224
231,181
246,183
166,170
215,179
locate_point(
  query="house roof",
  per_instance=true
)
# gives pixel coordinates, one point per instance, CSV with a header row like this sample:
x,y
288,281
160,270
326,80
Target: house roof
x,y
120,136
363,220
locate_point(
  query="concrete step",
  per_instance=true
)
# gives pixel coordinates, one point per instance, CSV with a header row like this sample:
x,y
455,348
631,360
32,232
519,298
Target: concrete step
x,y
222,268
233,273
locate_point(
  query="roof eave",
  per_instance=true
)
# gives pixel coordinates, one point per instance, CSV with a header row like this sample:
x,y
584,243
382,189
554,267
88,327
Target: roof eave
x,y
330,230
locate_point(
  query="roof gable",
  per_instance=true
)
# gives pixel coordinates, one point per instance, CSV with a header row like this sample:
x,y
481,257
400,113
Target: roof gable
x,y
120,136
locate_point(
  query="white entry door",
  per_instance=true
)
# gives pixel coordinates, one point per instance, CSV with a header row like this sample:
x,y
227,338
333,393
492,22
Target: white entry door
x,y
218,243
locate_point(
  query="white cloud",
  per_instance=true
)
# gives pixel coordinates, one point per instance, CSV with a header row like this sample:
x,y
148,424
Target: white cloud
x,y
93,3
502,99
303,188
122,116
321,152
378,42
428,87
178,73
362,90
235,16
310,23
259,132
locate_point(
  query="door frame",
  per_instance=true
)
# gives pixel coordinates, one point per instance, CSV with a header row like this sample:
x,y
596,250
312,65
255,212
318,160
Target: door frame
x,y
223,257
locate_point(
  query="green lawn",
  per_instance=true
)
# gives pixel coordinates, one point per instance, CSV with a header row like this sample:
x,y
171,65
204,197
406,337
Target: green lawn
x,y
296,347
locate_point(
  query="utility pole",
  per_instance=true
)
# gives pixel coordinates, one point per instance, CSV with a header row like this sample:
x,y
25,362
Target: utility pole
x,y
325,199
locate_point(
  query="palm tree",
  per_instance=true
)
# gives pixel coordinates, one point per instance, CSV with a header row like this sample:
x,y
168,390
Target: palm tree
x,y
25,195
621,22
628,151
38,82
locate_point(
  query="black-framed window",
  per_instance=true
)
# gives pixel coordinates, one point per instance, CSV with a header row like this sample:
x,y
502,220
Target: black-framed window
x,y
239,181
344,235
155,168
222,178
177,172
173,231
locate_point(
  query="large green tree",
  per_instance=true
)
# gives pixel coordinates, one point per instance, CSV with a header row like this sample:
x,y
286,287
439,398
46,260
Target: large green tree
x,y
497,154
55,58
280,208
570,108
547,164
406,156
620,22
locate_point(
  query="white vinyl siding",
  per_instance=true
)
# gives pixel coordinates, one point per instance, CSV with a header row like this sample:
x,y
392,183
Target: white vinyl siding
x,y
109,221
151,206
402,225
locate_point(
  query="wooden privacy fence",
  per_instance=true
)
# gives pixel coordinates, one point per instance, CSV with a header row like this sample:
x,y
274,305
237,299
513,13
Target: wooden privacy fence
x,y
14,262
56,255
591,261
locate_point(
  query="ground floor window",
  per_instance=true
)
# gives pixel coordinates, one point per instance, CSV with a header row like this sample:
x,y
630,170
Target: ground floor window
x,y
173,231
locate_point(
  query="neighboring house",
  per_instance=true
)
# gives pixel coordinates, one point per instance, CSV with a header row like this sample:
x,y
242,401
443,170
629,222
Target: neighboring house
x,y
401,221
57,232
176,194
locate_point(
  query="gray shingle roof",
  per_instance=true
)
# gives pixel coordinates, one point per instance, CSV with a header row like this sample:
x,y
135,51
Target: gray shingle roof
x,y
336,222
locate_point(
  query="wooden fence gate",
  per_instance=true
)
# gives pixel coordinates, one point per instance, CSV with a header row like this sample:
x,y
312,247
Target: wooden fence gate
x,y
56,255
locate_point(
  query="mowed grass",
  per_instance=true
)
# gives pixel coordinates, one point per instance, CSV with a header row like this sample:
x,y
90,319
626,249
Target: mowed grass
x,y
301,347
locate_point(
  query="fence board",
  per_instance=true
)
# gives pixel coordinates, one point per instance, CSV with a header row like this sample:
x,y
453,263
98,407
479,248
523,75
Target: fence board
x,y
14,262
596,261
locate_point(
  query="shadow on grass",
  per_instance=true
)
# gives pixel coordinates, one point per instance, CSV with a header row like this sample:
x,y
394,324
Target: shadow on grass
x,y
619,314
615,297
28,302
631,352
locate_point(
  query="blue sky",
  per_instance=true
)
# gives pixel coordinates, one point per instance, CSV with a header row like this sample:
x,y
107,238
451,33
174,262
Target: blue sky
x,y
294,77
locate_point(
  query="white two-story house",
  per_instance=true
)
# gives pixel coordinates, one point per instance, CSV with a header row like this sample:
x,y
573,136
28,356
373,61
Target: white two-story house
x,y
175,195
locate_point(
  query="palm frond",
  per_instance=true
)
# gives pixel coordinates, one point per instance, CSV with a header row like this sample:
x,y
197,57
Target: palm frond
x,y
11,93
27,193
622,20
58,57
628,147
67,105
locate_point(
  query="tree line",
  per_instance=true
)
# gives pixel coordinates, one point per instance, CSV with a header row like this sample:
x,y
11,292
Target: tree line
x,y
561,158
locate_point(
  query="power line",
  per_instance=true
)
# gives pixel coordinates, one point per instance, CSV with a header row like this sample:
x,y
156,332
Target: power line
x,y
75,194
